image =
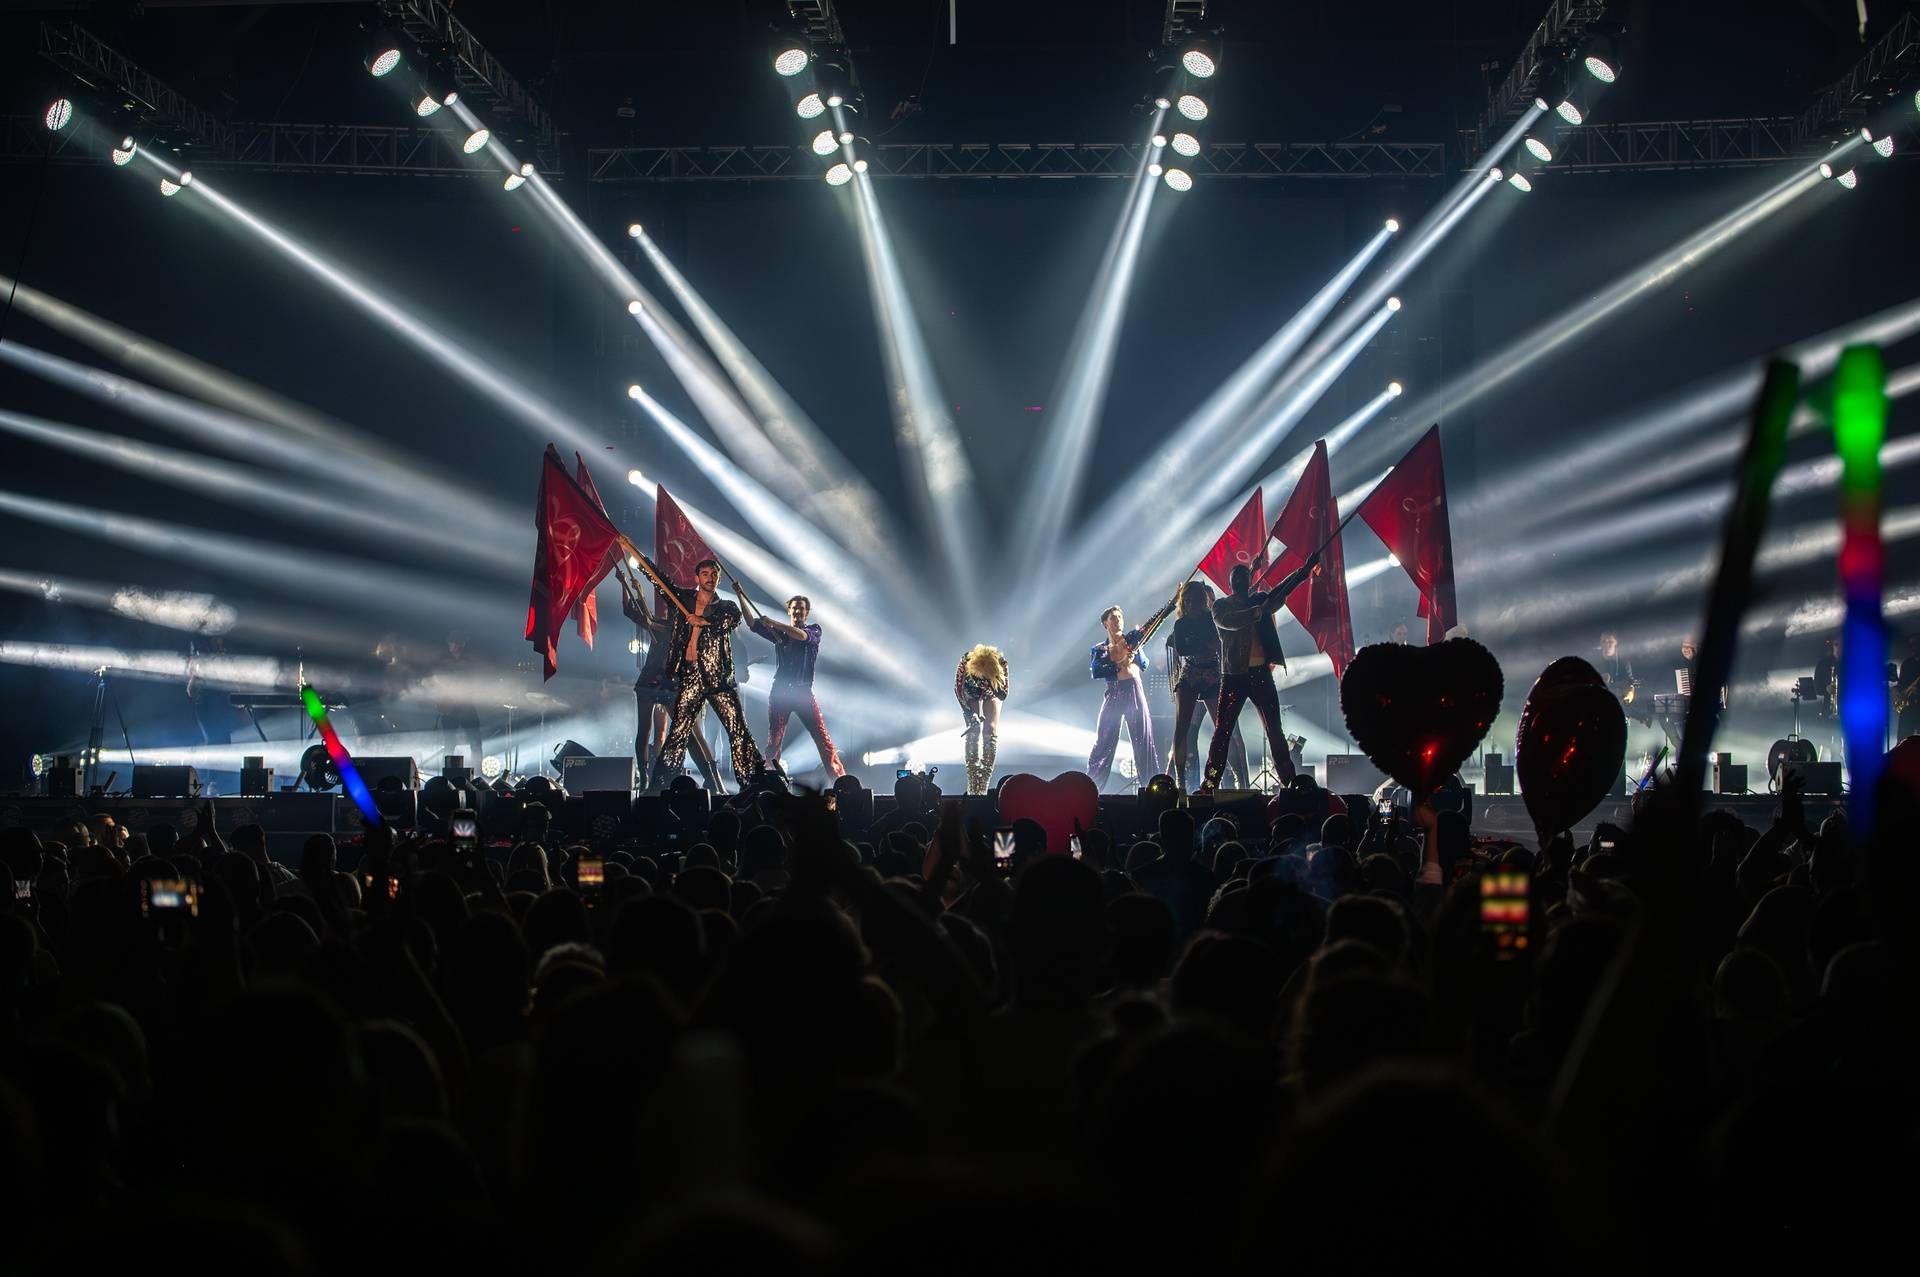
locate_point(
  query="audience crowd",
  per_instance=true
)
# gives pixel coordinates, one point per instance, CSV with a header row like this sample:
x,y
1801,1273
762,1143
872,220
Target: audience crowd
x,y
1296,1048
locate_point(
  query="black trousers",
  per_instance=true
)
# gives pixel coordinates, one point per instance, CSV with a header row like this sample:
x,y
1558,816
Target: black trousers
x,y
1235,691
648,697
1191,698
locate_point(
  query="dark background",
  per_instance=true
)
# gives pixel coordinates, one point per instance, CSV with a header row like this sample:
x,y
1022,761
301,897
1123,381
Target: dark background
x,y
998,270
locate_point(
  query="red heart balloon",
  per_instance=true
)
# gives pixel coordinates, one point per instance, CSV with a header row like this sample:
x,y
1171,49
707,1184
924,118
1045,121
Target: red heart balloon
x,y
1054,804
1572,738
1418,712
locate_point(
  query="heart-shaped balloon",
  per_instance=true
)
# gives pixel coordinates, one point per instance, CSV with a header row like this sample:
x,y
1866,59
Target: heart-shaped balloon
x,y
1418,712
1568,751
1054,804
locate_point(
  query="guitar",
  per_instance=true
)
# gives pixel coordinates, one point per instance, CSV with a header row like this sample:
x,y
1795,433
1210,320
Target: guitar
x,y
1905,696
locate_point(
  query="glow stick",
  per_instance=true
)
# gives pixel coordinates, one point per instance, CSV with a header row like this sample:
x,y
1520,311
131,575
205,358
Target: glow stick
x,y
1859,428
342,760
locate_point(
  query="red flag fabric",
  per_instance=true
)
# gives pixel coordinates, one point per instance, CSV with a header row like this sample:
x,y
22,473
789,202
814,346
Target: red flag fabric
x,y
572,553
1309,521
1408,510
1244,541
677,548
586,617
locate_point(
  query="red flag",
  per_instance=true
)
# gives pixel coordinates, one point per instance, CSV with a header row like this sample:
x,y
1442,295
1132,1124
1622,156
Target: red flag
x,y
576,540
586,617
1244,541
1408,509
1309,522
677,548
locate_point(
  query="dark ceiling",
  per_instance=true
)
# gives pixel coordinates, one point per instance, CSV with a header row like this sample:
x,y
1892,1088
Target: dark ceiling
x,y
1051,70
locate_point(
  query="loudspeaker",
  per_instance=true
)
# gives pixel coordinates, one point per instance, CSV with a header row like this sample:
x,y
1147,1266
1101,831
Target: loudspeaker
x,y
1499,775
165,782
1821,778
255,780
601,815
855,802
597,774
375,770
453,767
1728,777
1248,807
63,778
1353,774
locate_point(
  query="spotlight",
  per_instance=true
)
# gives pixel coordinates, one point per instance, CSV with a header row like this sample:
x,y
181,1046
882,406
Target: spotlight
x,y
839,175
860,166
1602,60
1570,111
1393,303
515,181
632,561
526,169
824,143
1395,389
426,105
1540,150
1848,180
1186,144
1179,179
1193,106
59,114
186,178
633,646
634,230
810,107
1884,147
1393,225
1159,139
1496,174
476,140
1519,182
1826,170
638,480
633,391
1557,92
1198,58
1154,170
633,307
383,54
168,188
1162,102
123,154
1916,99
791,54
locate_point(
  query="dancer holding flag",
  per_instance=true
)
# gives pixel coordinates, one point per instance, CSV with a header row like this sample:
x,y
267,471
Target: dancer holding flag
x,y
700,660
1249,647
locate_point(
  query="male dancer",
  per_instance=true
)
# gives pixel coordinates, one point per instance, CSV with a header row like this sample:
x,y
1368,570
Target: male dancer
x,y
796,648
1249,645
700,660
653,692
1121,662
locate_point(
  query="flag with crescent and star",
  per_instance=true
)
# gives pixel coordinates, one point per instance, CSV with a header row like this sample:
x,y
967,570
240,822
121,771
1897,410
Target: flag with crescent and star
x,y
573,551
1408,511
1309,522
1244,542
677,547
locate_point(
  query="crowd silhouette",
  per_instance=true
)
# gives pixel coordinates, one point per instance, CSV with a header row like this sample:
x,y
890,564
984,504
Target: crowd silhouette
x,y
1280,1049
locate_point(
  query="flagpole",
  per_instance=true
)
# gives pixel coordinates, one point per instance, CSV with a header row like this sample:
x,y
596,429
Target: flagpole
x,y
646,565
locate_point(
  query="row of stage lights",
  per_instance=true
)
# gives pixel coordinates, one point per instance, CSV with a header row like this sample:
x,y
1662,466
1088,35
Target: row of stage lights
x,y
1182,78
432,86
826,91
1570,86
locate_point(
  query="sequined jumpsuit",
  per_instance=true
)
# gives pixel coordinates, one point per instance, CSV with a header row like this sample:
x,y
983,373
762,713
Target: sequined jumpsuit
x,y
983,736
709,679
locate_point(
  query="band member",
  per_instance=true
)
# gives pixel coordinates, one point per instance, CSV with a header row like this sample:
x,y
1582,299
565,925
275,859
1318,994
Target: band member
x,y
980,684
1249,646
796,648
1906,691
1399,636
459,721
653,693
1616,671
1193,659
1119,660
1684,672
700,660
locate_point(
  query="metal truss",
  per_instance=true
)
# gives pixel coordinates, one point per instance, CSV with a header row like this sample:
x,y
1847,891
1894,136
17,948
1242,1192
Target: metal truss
x,y
274,148
1889,68
1182,16
1677,144
476,72
1522,82
93,62
821,22
1019,160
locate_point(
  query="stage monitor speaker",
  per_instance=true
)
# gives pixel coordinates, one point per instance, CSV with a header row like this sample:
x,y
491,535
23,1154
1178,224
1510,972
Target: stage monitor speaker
x,y
1247,807
377,769
1353,774
1499,775
1729,777
256,781
63,778
597,774
165,782
1821,778
453,767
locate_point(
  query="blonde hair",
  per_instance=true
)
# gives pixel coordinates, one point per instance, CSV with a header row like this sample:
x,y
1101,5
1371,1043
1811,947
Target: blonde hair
x,y
987,663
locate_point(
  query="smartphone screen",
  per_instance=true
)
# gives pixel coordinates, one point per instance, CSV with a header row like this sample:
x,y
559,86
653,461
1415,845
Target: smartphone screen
x,y
1506,907
393,886
465,826
902,774
1073,845
1003,847
593,872
1384,807
1606,844
178,896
